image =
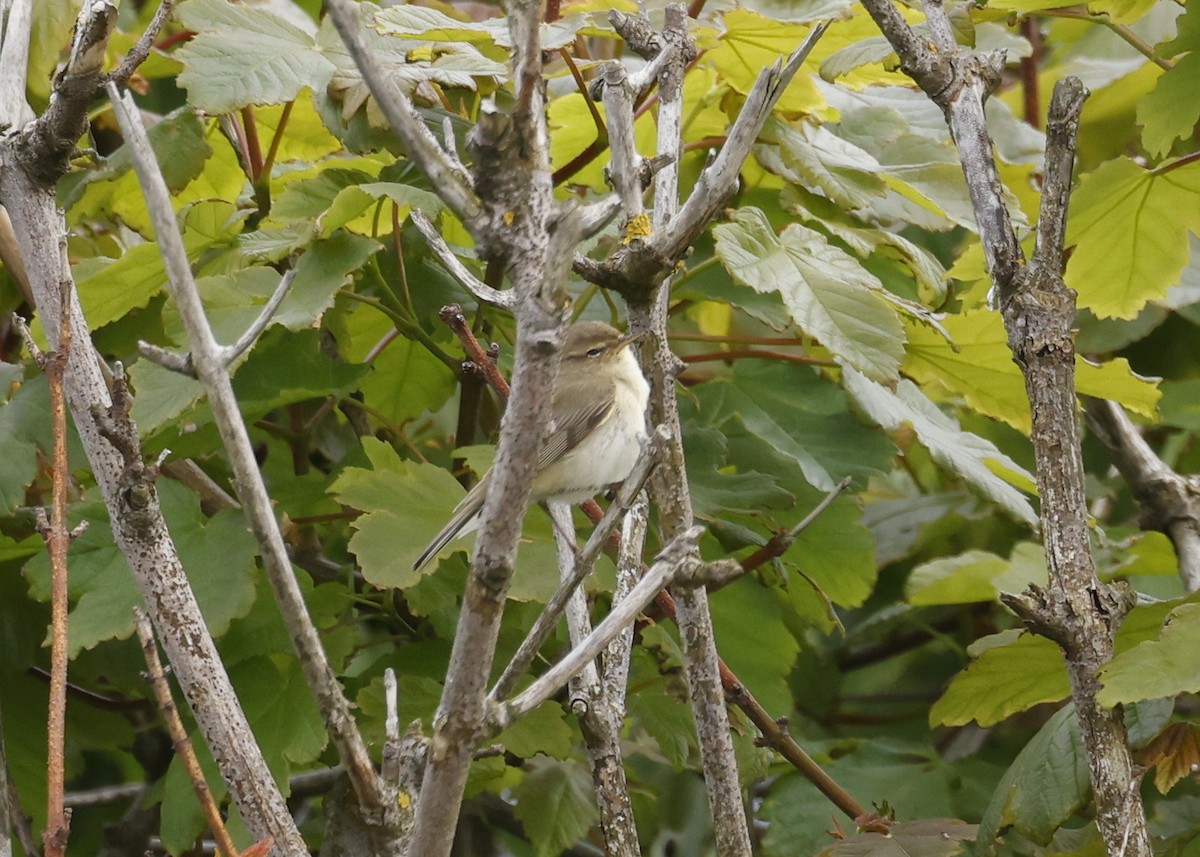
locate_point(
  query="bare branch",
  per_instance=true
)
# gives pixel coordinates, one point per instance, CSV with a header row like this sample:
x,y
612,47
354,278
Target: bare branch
x,y
14,62
1170,502
168,359
544,626
482,292
680,552
1076,611
58,538
230,353
141,50
46,145
212,370
179,737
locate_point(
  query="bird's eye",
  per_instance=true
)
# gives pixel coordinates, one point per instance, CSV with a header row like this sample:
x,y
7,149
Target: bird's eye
x,y
595,352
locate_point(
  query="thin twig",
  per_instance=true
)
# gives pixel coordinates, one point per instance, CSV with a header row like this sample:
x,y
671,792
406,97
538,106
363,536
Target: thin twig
x,y
780,542
670,562
548,618
57,537
455,268
179,736
484,363
140,51
230,353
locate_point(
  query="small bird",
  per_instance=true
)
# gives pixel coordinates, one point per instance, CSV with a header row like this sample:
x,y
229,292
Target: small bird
x,y
597,425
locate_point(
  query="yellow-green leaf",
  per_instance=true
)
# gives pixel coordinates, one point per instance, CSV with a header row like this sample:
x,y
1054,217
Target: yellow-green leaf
x,y
1129,227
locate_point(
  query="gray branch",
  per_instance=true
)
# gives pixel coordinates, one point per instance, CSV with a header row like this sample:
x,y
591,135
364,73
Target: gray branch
x,y
548,619
482,292
210,361
678,554
1170,502
1076,610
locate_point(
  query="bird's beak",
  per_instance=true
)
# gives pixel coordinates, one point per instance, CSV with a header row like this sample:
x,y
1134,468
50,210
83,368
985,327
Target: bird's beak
x,y
626,340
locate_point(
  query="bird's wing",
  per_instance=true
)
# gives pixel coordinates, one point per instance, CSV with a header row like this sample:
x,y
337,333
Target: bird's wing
x,y
572,428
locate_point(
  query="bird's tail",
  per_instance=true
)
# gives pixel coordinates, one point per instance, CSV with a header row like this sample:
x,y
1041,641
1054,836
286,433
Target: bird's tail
x,y
463,515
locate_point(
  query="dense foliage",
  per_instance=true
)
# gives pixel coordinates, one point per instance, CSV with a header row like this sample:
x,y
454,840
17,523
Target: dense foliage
x,y
834,324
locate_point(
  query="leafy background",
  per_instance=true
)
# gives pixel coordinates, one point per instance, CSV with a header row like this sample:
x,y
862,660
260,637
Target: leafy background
x,y
834,323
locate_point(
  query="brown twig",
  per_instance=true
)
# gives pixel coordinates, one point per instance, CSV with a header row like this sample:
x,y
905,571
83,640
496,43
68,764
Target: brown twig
x,y
452,315
58,538
781,541
179,736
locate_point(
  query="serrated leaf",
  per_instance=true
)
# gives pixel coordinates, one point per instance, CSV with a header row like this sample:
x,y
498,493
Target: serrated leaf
x,y
325,267
1002,681
217,553
802,416
813,157
404,504
246,54
977,364
1157,667
1046,784
975,459
928,837
828,293
1129,227
1172,108
752,43
131,281
1174,754
555,805
975,576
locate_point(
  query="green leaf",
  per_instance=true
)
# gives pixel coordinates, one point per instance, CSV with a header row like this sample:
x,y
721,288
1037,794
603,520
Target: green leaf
x,y
324,268
1046,784
288,367
1158,667
975,459
131,281
804,417
1015,672
555,805
829,295
666,714
1129,227
1172,108
24,423
978,365
404,503
282,712
247,54
928,837
813,157
217,555
749,44
976,576
761,652
348,207
162,395
543,730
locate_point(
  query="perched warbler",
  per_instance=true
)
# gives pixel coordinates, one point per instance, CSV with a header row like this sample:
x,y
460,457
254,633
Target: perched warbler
x,y
597,424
